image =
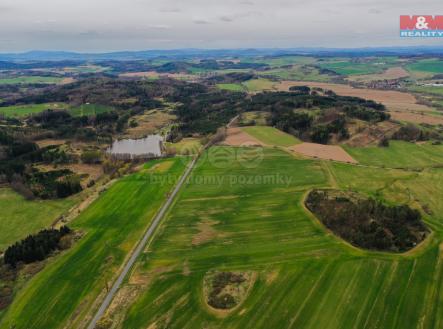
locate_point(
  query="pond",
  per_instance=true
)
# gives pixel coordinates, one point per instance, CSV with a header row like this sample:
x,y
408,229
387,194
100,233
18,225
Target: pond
x,y
147,147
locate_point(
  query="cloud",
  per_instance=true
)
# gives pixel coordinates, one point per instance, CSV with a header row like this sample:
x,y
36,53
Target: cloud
x,y
160,27
170,10
227,18
374,11
201,22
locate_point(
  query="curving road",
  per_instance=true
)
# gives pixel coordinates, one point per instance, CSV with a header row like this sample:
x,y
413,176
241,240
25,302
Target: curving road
x,y
140,247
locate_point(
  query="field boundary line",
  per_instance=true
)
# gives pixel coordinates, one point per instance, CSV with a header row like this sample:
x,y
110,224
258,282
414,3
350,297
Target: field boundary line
x,y
140,247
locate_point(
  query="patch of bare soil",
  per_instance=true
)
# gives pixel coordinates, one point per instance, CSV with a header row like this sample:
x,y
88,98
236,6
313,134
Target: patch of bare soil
x,y
398,103
48,142
327,152
417,118
206,232
238,137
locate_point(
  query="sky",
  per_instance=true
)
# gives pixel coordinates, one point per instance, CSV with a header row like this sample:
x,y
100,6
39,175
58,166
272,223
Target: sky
x,y
113,25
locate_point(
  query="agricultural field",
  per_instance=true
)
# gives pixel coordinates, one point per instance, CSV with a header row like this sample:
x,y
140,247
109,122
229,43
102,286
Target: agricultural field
x,y
399,154
271,136
17,111
20,217
111,227
433,90
433,66
89,109
302,275
231,86
282,60
30,80
298,73
255,85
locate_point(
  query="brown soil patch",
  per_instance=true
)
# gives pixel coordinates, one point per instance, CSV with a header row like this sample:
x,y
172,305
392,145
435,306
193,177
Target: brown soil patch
x,y
417,118
66,81
48,142
395,101
238,137
206,232
327,152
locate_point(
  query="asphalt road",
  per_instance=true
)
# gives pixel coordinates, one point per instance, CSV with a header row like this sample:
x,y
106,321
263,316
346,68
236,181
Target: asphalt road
x,y
140,247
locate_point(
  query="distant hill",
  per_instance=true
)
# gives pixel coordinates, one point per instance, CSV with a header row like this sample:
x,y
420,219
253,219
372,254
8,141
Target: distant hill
x,y
210,53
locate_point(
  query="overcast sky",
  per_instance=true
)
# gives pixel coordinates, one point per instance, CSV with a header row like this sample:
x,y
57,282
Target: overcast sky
x,y
108,25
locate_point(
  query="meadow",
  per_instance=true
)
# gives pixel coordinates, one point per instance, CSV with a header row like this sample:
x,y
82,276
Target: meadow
x,y
305,276
433,66
271,136
20,217
20,111
399,154
64,293
17,111
89,109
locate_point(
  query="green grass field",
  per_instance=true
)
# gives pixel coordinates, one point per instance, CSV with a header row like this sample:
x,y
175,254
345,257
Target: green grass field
x,y
89,109
231,86
434,66
299,73
271,136
64,292
17,111
306,278
256,85
19,217
433,90
399,155
29,80
349,68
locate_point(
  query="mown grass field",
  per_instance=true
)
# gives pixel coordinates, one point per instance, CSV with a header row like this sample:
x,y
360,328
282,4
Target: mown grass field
x,y
19,217
64,292
29,80
306,277
271,136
